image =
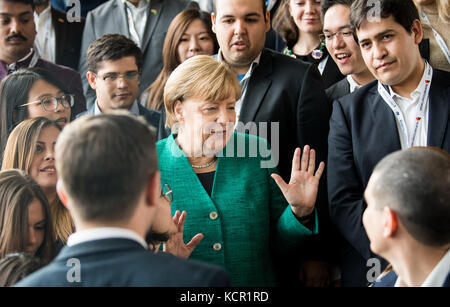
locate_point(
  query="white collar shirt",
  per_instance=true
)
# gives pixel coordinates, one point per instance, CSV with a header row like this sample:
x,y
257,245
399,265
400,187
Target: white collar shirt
x,y
45,38
137,19
437,277
102,233
409,108
353,85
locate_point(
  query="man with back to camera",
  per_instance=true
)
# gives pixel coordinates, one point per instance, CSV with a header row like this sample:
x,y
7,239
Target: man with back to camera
x,y
407,217
114,66
276,89
343,48
407,106
108,178
17,35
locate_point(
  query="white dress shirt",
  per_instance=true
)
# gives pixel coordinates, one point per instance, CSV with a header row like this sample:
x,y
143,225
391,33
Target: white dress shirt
x,y
45,38
137,19
437,276
93,234
353,85
409,108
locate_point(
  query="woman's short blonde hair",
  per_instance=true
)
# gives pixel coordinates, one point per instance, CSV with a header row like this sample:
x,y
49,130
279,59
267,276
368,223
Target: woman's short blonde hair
x,y
200,77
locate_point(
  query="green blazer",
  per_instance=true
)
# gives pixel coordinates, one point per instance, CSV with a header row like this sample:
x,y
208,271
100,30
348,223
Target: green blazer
x,y
245,212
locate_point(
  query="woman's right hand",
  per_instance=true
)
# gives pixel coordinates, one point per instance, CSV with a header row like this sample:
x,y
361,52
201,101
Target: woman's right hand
x,y
175,245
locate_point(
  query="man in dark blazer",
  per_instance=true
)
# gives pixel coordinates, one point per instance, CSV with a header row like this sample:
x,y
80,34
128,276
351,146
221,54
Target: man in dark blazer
x,y
283,98
343,49
114,64
111,17
67,35
109,180
364,128
407,217
16,42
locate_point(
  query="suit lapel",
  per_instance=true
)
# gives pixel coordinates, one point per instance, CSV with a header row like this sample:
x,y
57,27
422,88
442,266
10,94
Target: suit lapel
x,y
120,19
256,89
156,7
383,121
343,87
438,111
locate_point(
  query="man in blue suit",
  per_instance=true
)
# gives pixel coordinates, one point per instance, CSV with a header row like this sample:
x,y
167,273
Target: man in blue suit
x,y
407,217
408,105
114,67
109,180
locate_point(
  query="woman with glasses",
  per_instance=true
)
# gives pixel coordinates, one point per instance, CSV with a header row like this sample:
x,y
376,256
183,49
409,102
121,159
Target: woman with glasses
x,y
299,23
30,147
224,181
30,93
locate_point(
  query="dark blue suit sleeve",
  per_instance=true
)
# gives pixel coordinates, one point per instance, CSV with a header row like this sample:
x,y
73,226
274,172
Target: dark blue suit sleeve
x,y
345,188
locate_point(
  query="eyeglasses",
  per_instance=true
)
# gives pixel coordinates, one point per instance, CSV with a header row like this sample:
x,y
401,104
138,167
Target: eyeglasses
x,y
113,77
166,192
50,103
344,33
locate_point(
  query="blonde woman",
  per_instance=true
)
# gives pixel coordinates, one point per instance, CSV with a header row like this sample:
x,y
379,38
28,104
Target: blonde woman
x,y
435,17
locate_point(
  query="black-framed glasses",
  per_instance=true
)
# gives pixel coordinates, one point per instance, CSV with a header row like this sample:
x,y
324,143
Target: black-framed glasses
x,y
167,193
113,77
50,103
344,33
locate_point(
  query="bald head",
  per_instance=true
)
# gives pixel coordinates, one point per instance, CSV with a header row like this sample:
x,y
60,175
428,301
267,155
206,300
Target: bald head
x,y
415,184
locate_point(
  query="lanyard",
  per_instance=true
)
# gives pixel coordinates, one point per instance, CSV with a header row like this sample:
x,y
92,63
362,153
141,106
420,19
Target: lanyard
x,y
420,112
438,38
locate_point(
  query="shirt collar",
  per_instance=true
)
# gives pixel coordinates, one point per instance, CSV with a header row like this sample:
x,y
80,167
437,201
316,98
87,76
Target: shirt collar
x,y
353,84
133,110
219,57
419,89
104,233
45,12
141,4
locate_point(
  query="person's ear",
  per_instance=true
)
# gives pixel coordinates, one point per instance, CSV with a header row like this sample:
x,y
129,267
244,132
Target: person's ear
x,y
178,111
90,76
267,21
390,222
417,31
62,193
153,189
213,22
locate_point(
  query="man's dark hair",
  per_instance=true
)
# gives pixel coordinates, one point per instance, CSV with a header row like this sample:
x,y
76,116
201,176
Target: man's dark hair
x,y
26,2
415,184
264,6
112,47
327,4
404,12
105,162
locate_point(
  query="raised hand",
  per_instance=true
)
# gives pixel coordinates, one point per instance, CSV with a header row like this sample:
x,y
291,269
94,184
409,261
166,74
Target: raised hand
x,y
175,245
301,192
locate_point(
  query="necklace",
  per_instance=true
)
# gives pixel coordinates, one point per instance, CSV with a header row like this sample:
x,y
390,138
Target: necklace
x,y
206,164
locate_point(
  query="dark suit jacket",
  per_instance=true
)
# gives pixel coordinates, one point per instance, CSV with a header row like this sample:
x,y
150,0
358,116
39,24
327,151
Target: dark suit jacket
x,y
71,79
336,91
86,5
123,262
363,130
390,279
151,116
288,91
110,17
68,39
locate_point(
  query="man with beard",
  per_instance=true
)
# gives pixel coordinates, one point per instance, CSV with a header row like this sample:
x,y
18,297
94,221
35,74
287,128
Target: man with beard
x,y
17,34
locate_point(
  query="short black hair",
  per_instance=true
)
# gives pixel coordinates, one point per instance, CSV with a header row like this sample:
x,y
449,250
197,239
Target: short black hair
x,y
112,47
264,7
403,11
327,4
415,184
26,2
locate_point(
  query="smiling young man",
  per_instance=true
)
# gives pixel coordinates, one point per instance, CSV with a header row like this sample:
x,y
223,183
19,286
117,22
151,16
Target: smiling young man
x,y
114,66
343,48
408,106
276,90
